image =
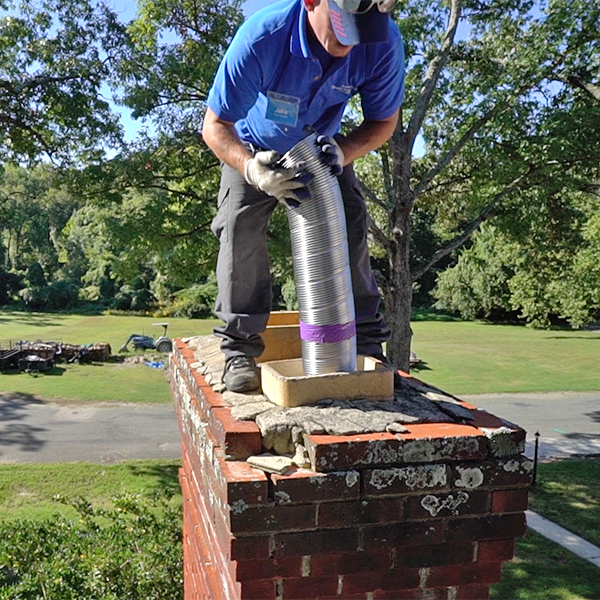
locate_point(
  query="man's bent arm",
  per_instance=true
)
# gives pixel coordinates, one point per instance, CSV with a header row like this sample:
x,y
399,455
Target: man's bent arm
x,y
221,137
368,136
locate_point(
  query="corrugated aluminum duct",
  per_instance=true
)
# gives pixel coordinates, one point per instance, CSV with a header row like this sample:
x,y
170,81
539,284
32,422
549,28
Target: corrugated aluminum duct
x,y
322,268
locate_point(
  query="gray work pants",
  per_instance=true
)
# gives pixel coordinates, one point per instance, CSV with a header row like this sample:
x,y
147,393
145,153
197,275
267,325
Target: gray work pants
x,y
244,279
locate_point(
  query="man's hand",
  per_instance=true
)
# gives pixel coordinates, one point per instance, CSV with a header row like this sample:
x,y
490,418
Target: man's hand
x,y
331,154
287,185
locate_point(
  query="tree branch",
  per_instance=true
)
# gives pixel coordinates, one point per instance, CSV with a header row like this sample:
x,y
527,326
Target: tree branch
x,y
488,212
432,75
370,194
378,235
452,152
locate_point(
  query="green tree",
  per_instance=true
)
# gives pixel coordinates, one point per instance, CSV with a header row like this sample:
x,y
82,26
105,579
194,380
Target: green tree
x,y
482,90
55,57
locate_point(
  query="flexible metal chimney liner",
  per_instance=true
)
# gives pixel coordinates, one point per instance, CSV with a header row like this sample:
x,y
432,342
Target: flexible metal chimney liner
x,y
322,268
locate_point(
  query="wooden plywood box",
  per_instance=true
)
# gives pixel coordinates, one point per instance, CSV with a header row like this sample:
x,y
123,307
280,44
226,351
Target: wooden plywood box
x,y
284,382
282,337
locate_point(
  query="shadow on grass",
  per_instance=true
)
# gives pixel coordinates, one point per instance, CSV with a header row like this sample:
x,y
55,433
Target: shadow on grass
x,y
424,314
543,570
165,475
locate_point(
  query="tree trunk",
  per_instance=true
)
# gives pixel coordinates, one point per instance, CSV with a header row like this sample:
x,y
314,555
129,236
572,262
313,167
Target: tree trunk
x,y
399,297
399,290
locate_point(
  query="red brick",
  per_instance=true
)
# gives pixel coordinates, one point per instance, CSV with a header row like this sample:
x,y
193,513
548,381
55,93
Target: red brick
x,y
475,573
268,569
417,594
375,560
486,528
243,483
239,439
335,453
459,502
405,480
397,579
473,592
305,588
495,551
435,555
360,512
264,589
511,472
507,501
431,442
404,534
360,596
305,485
256,519
315,542
249,548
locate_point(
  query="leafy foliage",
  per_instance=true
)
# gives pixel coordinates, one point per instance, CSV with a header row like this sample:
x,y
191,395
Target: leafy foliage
x,y
130,551
54,60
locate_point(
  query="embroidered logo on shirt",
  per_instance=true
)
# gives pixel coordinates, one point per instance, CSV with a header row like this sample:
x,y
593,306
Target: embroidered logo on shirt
x,y
345,89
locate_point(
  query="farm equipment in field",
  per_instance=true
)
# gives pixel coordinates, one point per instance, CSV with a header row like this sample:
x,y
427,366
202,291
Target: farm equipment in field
x,y
145,342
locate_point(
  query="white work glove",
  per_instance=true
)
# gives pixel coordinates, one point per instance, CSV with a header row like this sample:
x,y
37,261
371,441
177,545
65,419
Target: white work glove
x,y
287,185
331,154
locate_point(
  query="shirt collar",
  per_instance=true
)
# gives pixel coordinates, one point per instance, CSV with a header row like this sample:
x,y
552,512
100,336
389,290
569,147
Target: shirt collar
x,y
299,41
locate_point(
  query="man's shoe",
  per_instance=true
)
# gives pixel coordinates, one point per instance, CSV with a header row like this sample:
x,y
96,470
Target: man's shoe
x,y
241,374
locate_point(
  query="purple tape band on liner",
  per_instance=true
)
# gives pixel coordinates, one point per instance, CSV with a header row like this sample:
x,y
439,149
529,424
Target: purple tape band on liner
x,y
327,334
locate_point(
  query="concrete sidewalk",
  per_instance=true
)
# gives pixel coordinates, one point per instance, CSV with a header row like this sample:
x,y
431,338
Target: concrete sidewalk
x,y
563,537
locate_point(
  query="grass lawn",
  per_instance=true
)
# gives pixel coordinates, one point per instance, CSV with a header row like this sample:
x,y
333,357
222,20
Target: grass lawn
x,y
28,490
478,358
568,493
542,570
100,382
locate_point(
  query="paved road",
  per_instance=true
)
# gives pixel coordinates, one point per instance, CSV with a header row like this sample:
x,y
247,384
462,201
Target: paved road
x,y
568,422
35,431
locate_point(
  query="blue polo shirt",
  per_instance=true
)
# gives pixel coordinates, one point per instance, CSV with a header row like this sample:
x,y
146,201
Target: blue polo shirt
x,y
272,86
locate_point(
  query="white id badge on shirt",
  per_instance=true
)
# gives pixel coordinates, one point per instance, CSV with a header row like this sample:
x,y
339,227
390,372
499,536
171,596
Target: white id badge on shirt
x,y
283,109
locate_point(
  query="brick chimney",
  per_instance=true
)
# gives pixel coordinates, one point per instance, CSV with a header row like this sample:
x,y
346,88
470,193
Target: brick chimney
x,y
428,514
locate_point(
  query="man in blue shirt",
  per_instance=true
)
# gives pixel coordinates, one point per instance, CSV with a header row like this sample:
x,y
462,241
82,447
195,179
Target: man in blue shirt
x,y
294,65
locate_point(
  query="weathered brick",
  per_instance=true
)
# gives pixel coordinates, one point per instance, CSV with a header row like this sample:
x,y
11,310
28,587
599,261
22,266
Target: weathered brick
x,y
436,442
415,594
404,534
435,555
505,441
473,592
304,588
241,484
473,574
397,579
507,501
264,589
239,439
320,565
462,502
305,485
511,472
486,528
249,548
403,480
257,519
360,512
495,551
249,570
335,453
315,542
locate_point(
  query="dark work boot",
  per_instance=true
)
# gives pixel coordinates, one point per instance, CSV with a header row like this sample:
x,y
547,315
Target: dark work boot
x,y
241,374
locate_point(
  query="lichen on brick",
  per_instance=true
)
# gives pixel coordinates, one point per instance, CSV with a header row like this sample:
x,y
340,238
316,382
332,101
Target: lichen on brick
x,y
469,477
419,477
433,505
502,441
238,507
515,466
352,478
